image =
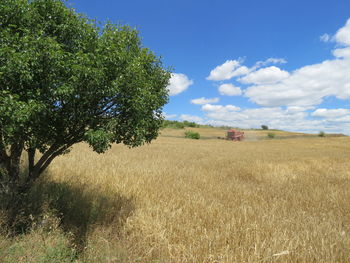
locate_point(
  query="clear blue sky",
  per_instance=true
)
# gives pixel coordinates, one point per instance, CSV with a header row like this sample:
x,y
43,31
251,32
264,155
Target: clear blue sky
x,y
285,63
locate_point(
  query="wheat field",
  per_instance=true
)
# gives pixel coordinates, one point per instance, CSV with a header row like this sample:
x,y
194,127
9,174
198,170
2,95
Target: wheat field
x,y
207,200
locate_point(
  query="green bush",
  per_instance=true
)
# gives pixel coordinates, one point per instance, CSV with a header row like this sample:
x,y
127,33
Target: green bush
x,y
173,124
322,134
271,135
179,125
192,135
190,124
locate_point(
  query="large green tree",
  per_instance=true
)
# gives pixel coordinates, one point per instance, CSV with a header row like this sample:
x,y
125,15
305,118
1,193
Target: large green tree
x,y
64,80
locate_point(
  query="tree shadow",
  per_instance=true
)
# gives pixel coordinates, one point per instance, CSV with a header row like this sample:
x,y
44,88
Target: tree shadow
x,y
79,209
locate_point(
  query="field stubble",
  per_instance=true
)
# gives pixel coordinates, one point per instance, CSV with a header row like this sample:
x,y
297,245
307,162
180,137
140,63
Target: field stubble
x,y
182,200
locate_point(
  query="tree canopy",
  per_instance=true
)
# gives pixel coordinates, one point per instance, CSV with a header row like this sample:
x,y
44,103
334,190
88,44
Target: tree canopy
x,y
65,80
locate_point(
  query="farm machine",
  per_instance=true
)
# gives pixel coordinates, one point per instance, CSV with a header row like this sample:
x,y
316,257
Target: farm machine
x,y
234,135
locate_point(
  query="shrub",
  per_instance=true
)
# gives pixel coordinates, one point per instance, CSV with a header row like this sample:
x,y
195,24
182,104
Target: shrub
x,y
192,135
173,124
322,134
271,135
190,124
179,125
264,127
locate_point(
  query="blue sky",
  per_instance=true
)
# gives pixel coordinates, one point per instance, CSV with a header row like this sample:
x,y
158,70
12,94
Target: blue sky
x,y
285,64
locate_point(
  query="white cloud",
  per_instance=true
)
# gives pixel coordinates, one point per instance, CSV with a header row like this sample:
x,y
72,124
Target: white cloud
x,y
330,113
233,68
267,75
228,70
325,38
289,99
202,100
220,108
306,86
178,83
298,108
196,119
229,90
276,60
342,53
293,118
343,34
309,85
274,117
269,61
339,117
169,116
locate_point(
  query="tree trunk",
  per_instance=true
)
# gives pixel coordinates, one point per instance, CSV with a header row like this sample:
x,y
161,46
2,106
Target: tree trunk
x,y
16,186
11,181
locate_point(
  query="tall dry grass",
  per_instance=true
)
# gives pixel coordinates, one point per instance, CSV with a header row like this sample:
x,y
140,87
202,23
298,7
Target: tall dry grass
x,y
182,200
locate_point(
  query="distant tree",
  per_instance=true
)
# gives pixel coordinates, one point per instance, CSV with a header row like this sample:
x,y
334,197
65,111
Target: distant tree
x,y
322,134
63,80
190,124
264,127
178,124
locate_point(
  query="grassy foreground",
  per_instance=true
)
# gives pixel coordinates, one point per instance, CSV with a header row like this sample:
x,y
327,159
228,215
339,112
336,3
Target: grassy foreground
x,y
182,200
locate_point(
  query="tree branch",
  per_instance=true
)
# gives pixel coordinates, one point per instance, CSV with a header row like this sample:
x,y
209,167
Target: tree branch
x,y
44,157
53,156
55,150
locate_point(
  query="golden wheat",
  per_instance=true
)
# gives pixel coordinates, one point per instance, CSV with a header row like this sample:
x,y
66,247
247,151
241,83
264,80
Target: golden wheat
x,y
182,200
210,200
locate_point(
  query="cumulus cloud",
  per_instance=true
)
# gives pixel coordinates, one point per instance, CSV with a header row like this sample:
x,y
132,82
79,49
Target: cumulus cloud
x,y
293,118
220,108
343,34
178,83
267,75
193,118
339,117
342,53
330,113
228,70
202,100
274,117
229,90
298,108
289,99
233,68
308,85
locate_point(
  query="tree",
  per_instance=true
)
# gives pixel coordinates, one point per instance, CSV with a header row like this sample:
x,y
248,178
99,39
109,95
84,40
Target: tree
x,y
322,134
264,127
64,80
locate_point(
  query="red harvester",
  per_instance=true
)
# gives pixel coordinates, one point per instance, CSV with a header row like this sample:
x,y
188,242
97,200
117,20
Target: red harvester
x,y
235,135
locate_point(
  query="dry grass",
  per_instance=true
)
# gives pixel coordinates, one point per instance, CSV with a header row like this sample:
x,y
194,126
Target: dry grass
x,y
182,200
